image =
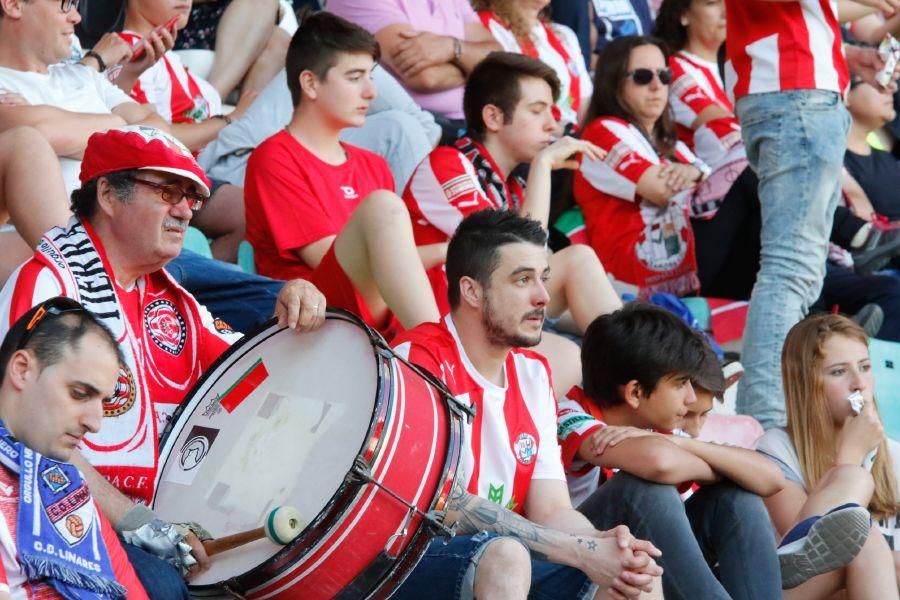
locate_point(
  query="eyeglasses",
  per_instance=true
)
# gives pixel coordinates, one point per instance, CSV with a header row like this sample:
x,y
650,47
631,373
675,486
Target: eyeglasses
x,y
54,307
173,194
68,5
645,76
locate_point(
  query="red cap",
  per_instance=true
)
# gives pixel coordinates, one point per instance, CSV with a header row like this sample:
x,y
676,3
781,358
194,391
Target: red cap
x,y
143,148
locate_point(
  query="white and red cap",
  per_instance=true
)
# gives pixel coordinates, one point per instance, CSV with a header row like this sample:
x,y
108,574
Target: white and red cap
x,y
143,148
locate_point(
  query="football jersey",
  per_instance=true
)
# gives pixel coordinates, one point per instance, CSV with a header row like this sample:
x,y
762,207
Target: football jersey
x,y
444,189
777,46
511,441
556,46
12,576
577,418
293,198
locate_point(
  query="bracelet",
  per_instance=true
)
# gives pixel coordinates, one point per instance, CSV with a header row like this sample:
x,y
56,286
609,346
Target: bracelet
x,y
457,50
101,65
225,118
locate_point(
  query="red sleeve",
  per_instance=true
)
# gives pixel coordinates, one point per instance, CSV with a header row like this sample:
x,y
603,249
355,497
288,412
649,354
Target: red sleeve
x,y
280,202
618,174
422,346
442,191
121,566
689,99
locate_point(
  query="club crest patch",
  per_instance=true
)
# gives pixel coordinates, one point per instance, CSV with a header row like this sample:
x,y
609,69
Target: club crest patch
x,y
166,326
55,478
75,526
123,397
222,327
525,448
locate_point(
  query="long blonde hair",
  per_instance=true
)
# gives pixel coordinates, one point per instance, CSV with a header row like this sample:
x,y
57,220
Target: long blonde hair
x,y
508,12
809,422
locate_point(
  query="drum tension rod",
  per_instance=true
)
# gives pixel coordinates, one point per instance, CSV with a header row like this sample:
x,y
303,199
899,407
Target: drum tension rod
x,y
360,473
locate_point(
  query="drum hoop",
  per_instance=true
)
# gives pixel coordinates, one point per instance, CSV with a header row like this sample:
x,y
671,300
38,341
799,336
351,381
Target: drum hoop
x,y
349,492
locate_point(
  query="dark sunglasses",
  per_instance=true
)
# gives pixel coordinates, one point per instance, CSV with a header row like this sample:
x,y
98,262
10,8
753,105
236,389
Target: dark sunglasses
x,y
645,76
53,307
172,194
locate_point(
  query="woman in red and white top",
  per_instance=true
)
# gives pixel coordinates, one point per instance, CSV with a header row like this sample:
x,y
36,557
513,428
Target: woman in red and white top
x,y
635,201
523,26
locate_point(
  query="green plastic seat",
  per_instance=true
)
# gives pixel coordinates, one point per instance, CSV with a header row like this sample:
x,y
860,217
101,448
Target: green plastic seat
x,y
195,241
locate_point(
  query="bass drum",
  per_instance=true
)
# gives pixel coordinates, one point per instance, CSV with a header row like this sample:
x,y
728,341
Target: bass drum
x,y
331,423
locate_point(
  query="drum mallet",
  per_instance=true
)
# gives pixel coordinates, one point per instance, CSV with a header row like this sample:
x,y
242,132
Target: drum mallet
x,y
282,525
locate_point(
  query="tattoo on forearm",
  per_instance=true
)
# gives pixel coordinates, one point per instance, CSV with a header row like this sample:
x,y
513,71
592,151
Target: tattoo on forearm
x,y
472,514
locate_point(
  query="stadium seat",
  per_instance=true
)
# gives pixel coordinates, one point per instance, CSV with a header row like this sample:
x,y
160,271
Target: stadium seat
x,y
245,257
195,241
886,366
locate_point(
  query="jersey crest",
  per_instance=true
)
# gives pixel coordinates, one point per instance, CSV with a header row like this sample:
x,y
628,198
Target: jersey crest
x,y
166,326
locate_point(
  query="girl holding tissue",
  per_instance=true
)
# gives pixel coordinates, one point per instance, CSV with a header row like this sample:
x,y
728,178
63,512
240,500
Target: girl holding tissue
x,y
826,454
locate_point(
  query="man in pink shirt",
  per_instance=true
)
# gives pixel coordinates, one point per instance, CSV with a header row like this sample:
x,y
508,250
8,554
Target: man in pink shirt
x,y
430,46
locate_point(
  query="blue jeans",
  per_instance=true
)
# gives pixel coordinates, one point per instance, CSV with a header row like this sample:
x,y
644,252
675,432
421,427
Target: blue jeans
x,y
447,571
159,578
242,300
720,523
795,142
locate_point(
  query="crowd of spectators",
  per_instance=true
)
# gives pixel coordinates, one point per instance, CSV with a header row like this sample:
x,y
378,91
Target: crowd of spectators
x,y
408,161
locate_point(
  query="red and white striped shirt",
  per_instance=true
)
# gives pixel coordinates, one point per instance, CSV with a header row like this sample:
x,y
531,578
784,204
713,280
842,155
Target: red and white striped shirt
x,y
777,46
512,439
557,47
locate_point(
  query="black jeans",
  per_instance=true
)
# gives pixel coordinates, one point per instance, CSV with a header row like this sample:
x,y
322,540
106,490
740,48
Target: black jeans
x,y
728,244
851,291
720,523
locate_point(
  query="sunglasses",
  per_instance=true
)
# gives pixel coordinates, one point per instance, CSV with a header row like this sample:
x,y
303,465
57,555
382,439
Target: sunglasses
x,y
68,5
54,307
645,76
173,194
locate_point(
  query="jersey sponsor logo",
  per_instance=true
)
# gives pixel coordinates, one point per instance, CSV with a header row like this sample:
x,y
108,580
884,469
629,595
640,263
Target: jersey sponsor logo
x,y
349,192
571,424
55,478
459,186
495,493
123,397
197,446
525,448
166,326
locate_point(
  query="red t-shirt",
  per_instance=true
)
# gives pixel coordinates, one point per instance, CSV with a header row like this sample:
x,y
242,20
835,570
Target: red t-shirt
x,y
12,578
293,199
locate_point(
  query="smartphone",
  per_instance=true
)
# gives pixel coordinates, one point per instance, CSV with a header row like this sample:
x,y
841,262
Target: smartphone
x,y
170,25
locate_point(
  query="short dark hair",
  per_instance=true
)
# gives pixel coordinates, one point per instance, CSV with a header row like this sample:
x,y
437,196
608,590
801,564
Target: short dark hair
x,y
474,248
53,335
317,44
609,76
496,80
84,199
639,342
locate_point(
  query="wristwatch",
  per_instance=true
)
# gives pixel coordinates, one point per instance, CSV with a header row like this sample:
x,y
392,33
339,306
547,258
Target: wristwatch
x,y
225,118
457,50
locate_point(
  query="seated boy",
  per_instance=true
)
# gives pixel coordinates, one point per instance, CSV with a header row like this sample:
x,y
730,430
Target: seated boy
x,y
638,367
59,365
321,209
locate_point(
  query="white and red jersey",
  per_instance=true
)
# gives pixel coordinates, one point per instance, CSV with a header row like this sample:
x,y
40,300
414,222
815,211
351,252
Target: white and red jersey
x,y
556,46
444,189
178,95
512,439
778,46
173,339
577,418
12,576
696,86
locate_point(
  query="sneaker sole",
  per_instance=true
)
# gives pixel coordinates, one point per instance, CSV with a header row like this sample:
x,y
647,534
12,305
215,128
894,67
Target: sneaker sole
x,y
832,542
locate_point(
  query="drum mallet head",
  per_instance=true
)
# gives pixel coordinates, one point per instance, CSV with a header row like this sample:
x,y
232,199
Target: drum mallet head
x,y
282,525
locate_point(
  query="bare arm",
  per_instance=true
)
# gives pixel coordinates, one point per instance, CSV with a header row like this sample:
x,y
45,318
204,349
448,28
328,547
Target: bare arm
x,y
657,186
713,111
849,10
747,468
478,44
442,75
784,507
647,455
141,114
433,255
66,131
111,501
312,254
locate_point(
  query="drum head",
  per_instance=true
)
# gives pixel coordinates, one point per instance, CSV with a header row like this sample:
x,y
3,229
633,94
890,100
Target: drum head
x,y
277,422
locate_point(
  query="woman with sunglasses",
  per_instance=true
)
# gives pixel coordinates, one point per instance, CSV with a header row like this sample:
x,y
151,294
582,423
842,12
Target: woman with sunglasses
x,y
524,27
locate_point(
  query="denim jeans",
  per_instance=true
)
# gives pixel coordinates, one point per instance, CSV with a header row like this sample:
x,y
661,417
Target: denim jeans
x,y
242,300
159,578
720,523
795,142
447,571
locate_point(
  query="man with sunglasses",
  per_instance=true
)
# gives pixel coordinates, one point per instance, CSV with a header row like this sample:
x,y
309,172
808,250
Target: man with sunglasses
x,y
59,366
786,72
140,187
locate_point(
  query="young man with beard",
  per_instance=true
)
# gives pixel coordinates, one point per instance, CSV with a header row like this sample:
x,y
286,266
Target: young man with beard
x,y
508,102
497,269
